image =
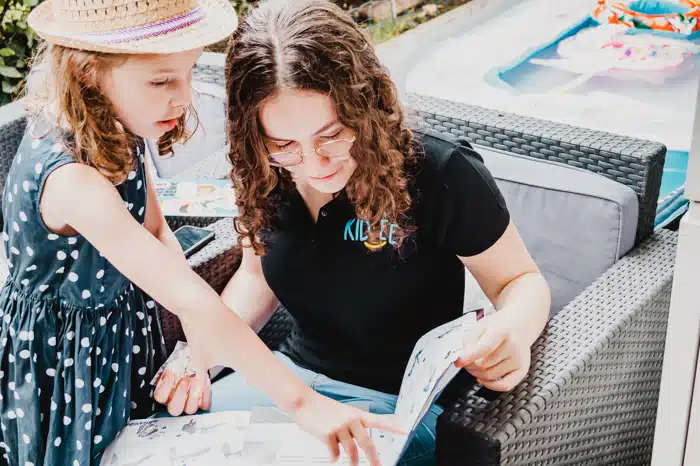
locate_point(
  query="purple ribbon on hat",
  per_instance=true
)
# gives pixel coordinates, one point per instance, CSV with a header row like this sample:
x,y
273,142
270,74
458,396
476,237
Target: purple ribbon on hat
x,y
145,31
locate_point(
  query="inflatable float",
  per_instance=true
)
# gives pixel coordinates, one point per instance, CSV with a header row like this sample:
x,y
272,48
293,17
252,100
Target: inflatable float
x,y
607,48
671,16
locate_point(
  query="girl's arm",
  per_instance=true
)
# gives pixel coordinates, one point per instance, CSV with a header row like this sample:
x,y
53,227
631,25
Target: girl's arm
x,y
84,199
512,281
155,220
497,351
97,212
248,294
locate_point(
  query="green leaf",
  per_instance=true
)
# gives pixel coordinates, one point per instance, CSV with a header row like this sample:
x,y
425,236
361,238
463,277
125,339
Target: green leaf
x,y
2,62
10,72
8,88
7,52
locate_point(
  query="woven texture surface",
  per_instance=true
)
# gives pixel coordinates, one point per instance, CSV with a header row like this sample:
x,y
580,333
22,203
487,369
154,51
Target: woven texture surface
x,y
98,15
591,395
634,162
134,26
209,74
175,222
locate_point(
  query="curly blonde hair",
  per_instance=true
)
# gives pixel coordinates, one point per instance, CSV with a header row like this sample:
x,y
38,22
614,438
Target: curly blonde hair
x,y
313,45
67,92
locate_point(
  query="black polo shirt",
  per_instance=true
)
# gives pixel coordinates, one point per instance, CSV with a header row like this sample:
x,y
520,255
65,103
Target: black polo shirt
x,y
358,313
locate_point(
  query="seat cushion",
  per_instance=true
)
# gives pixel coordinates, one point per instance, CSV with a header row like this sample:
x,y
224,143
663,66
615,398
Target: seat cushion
x,y
575,223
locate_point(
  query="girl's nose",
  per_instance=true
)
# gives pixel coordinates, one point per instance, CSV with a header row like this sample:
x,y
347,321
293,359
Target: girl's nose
x,y
182,95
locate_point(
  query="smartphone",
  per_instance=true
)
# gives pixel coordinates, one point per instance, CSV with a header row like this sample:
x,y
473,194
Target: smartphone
x,y
192,239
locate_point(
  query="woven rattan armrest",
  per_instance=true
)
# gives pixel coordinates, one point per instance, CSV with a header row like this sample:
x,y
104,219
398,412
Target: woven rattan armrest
x,y
592,391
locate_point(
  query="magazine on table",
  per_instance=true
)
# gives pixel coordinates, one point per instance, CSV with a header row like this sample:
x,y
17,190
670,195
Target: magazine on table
x,y
266,436
199,198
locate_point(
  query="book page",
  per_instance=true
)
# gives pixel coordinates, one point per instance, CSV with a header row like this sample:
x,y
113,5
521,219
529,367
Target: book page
x,y
272,438
264,436
429,370
214,439
201,198
433,354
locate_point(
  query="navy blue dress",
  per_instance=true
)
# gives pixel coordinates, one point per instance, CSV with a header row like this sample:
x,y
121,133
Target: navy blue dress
x,y
79,343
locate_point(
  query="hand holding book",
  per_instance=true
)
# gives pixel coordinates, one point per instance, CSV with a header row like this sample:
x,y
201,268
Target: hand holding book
x,y
494,354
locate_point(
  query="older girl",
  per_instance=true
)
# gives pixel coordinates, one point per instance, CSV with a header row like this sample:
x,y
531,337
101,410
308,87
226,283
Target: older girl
x,y
359,226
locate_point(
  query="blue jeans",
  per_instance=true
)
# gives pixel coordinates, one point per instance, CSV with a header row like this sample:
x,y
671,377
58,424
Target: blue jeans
x,y
232,393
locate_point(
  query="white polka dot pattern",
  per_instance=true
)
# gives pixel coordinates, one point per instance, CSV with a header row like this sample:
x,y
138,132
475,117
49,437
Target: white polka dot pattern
x,y
93,356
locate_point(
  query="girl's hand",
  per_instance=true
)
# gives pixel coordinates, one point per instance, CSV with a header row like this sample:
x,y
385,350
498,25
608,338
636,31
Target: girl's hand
x,y
179,394
333,423
495,353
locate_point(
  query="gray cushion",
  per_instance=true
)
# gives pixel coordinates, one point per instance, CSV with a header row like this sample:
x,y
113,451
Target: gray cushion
x,y
575,223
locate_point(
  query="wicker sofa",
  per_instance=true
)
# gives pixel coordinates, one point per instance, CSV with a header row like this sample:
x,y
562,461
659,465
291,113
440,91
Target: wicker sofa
x,y
591,394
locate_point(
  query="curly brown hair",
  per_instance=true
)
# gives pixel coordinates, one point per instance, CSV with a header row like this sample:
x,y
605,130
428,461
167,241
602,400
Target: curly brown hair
x,y
313,45
67,93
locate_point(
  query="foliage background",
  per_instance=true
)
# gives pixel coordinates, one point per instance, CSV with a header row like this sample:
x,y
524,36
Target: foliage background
x,y
17,42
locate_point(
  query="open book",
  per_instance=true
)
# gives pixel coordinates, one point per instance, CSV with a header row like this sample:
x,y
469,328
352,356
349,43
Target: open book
x,y
200,198
265,436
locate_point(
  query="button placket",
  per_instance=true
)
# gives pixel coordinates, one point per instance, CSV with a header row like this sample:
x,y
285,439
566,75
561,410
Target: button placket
x,y
322,214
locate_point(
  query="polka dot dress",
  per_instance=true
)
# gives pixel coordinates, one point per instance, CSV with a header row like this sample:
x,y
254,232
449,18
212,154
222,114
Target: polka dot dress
x,y
79,343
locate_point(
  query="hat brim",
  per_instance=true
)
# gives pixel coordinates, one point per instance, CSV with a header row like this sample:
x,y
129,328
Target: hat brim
x,y
216,21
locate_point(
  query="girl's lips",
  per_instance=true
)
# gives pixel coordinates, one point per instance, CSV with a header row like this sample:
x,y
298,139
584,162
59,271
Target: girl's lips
x,y
327,177
167,125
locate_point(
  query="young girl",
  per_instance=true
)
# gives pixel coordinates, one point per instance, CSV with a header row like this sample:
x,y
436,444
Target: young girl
x,y
360,227
84,236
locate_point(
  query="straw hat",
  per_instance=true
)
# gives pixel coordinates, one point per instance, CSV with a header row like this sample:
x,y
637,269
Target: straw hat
x,y
134,26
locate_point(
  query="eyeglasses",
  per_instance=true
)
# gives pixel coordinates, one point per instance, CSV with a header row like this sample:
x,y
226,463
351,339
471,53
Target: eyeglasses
x,y
338,149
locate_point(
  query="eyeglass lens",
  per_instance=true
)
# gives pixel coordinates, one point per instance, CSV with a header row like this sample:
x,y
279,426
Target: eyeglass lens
x,y
331,149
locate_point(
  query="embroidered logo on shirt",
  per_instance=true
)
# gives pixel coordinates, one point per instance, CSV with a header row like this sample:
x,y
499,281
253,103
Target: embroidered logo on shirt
x,y
356,230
